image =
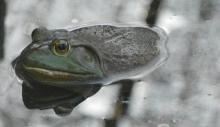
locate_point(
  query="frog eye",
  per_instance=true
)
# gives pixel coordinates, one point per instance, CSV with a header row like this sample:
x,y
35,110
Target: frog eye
x,y
60,47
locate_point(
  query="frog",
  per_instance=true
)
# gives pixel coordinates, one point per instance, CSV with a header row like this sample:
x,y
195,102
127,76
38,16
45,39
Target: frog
x,y
62,68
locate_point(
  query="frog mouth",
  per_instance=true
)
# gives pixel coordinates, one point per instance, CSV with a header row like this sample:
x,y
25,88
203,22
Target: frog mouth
x,y
53,75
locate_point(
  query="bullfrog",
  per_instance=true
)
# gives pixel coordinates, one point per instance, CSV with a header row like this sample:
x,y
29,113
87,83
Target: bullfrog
x,y
61,68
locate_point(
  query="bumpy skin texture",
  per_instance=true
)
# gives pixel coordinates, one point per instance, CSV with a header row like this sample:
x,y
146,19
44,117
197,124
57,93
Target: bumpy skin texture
x,y
62,68
120,49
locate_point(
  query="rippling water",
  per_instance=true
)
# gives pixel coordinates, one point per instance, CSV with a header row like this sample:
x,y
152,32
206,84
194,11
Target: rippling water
x,y
184,92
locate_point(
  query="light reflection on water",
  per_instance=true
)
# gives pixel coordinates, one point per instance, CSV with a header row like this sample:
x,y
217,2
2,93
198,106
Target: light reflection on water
x,y
173,95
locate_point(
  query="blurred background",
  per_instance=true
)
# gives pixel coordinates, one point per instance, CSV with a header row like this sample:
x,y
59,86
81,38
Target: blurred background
x,y
184,92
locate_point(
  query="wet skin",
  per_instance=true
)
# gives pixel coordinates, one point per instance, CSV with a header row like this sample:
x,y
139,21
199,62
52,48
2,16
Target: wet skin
x,y
61,68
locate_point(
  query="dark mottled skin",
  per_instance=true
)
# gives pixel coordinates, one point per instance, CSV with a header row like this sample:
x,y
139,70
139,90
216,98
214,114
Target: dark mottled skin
x,y
98,55
120,50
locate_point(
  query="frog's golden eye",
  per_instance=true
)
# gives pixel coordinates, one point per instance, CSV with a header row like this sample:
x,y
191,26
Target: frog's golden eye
x,y
60,47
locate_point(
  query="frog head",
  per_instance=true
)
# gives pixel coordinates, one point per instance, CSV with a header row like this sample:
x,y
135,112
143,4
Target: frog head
x,y
52,59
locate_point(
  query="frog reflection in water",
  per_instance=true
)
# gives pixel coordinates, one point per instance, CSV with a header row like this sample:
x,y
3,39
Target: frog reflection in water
x,y
61,68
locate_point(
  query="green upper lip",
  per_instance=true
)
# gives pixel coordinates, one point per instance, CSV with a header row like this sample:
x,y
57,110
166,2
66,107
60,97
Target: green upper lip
x,y
45,75
51,72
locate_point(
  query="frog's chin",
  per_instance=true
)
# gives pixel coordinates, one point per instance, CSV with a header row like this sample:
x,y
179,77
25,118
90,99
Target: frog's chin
x,y
42,74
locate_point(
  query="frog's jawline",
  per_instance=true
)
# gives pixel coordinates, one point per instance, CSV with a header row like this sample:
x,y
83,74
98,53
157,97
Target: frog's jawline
x,y
53,73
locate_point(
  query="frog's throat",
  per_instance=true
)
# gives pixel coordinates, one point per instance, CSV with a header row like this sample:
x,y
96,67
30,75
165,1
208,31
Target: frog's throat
x,y
52,74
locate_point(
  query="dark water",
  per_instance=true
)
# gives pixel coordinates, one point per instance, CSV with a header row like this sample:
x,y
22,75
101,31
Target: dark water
x,y
2,29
